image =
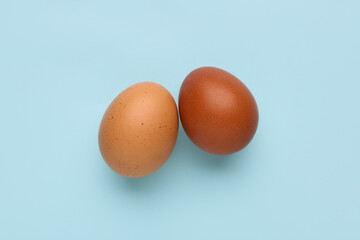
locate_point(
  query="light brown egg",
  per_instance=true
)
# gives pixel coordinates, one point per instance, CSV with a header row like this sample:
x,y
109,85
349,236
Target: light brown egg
x,y
217,111
139,129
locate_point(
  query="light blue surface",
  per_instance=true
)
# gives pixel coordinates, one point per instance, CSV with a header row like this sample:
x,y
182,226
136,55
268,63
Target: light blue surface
x,y
62,63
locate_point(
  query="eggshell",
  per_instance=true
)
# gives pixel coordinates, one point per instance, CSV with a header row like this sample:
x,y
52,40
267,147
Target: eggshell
x,y
217,111
139,129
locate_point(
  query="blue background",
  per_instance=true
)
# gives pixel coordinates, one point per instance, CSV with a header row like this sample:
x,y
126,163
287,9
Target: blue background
x,y
62,63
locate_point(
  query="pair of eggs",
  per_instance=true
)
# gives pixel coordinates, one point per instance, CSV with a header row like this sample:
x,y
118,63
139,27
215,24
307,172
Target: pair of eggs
x,y
139,129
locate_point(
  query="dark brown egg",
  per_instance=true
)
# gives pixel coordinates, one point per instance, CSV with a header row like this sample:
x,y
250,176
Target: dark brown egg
x,y
218,112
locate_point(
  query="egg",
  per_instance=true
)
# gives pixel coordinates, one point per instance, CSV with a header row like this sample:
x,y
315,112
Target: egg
x,y
218,112
138,131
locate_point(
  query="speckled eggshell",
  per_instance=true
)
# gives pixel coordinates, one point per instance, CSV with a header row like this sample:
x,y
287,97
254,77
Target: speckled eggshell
x,y
139,129
217,111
